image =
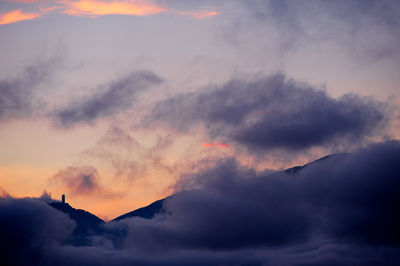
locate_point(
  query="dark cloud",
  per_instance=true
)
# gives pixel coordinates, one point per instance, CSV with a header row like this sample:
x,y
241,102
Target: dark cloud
x,y
340,210
274,113
17,94
344,206
28,229
116,96
82,180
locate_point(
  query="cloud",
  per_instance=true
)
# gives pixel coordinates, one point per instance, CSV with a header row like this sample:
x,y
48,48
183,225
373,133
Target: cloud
x,y
345,202
117,96
16,16
341,210
29,228
121,151
46,197
101,8
216,145
128,158
198,14
352,25
272,113
83,180
17,94
96,8
3,193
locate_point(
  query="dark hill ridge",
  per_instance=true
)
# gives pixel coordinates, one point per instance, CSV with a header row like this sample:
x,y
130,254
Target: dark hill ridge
x,y
146,212
89,224
149,211
296,169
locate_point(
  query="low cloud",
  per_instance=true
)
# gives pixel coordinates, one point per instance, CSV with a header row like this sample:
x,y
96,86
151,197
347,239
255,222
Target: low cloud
x,y
340,210
344,202
3,193
115,97
274,113
29,228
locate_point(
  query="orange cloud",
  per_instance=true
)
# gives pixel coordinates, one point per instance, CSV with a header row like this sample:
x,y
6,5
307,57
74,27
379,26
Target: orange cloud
x,y
95,8
101,8
216,145
17,15
199,14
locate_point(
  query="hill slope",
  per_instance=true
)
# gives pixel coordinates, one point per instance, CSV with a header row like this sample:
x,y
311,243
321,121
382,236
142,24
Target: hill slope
x,y
149,211
87,223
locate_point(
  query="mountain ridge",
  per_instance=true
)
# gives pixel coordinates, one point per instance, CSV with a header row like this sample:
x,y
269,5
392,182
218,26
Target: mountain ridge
x,y
88,223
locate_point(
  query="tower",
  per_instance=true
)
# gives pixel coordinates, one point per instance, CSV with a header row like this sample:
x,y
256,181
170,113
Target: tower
x,y
63,198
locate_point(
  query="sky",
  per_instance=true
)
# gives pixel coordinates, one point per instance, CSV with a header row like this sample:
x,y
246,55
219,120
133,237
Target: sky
x,y
113,102
120,103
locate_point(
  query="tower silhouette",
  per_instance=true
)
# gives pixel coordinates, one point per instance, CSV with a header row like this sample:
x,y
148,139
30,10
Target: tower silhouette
x,y
63,198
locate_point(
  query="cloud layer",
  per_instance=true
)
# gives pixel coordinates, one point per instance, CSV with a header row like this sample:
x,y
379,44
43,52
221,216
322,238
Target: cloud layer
x,y
274,113
345,202
341,210
29,228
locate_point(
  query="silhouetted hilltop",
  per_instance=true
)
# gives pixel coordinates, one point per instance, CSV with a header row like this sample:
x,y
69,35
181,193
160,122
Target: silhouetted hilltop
x,y
146,212
296,169
87,223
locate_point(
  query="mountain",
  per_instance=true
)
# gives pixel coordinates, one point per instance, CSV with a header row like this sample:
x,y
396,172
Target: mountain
x,y
147,212
87,223
296,169
156,207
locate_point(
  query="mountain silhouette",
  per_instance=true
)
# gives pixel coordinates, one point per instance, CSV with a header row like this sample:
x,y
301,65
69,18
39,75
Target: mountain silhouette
x,y
87,224
149,211
146,212
296,169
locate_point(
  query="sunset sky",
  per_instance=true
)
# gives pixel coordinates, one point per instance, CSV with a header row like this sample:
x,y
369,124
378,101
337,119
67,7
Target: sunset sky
x,y
113,102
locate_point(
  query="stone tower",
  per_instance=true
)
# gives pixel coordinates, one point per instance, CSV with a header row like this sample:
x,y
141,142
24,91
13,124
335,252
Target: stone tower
x,y
63,198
